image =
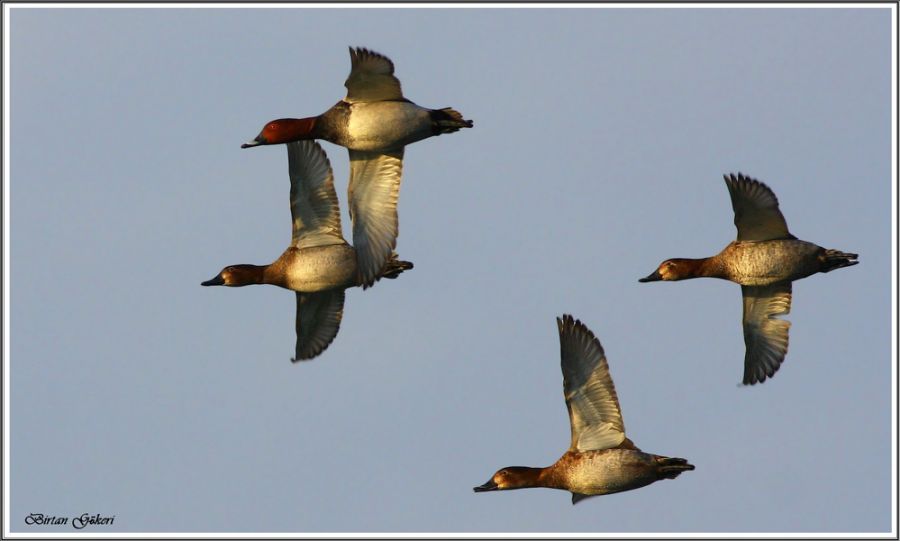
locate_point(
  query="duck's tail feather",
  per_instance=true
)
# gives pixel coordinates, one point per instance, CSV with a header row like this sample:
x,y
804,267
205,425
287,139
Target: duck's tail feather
x,y
670,468
835,259
395,267
448,120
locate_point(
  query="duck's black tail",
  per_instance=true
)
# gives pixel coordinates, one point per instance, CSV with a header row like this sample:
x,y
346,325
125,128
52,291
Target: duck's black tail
x,y
395,267
835,259
448,120
670,468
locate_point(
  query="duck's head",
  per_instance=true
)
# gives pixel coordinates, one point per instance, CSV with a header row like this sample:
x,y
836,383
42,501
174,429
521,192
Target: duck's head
x,y
283,130
509,478
236,276
671,270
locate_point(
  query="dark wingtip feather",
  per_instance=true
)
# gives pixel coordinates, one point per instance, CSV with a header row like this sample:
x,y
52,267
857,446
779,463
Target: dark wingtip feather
x,y
568,323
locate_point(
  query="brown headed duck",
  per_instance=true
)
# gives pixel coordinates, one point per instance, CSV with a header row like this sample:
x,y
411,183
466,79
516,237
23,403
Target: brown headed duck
x,y
600,459
319,264
764,260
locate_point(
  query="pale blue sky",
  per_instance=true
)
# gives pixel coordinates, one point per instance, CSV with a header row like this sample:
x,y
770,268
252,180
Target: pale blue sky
x,y
600,140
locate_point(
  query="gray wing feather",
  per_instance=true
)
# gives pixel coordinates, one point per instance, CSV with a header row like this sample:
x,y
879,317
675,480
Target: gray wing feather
x,y
315,214
371,77
318,321
765,336
591,399
373,192
756,212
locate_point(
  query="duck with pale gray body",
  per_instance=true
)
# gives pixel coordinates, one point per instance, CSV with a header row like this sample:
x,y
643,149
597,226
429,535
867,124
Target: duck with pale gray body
x,y
600,459
373,117
319,265
765,259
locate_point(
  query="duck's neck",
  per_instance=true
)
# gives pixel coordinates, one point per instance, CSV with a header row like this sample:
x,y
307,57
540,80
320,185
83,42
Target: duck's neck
x,y
251,274
531,477
705,267
711,267
549,477
555,476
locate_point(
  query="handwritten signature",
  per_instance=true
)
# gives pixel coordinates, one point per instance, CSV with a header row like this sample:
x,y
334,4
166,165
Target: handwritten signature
x,y
78,522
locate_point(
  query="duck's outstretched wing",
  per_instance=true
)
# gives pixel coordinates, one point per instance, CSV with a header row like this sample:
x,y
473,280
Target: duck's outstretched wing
x,y
371,77
756,212
590,395
314,205
318,321
373,192
765,336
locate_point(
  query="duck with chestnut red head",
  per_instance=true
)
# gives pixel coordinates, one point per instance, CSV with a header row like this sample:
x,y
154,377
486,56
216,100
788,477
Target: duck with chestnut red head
x,y
373,117
600,459
765,259
319,265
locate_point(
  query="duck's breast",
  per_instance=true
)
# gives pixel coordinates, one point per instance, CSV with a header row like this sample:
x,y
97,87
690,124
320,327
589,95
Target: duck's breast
x,y
760,263
607,471
318,268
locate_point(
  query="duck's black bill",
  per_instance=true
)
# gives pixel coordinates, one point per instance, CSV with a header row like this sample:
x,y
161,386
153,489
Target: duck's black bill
x,y
217,281
258,140
654,277
490,485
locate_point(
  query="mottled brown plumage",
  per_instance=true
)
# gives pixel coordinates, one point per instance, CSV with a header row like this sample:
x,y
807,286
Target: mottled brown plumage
x,y
765,259
600,459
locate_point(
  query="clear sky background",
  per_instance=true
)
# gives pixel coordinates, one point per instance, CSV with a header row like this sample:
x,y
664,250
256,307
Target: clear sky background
x,y
600,140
